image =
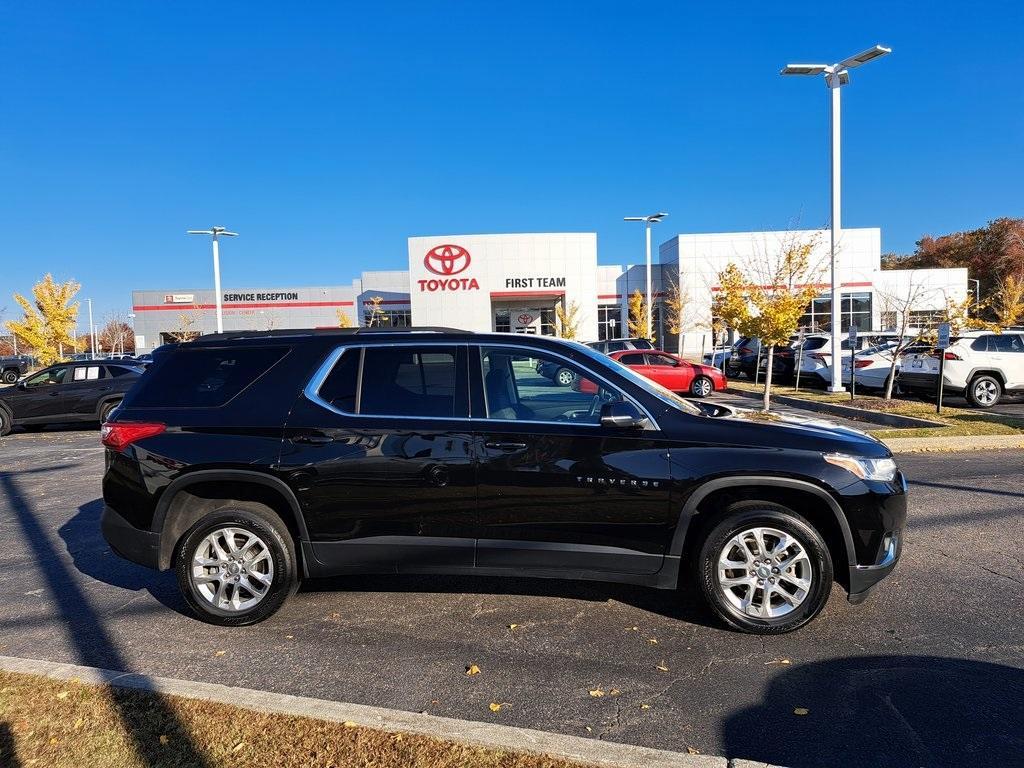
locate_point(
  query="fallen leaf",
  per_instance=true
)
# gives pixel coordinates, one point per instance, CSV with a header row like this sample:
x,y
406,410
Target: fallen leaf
x,y
663,667
472,669
163,738
220,653
597,693
785,661
589,729
645,706
238,746
652,641
632,629
512,626
494,707
801,711
79,723
692,751
289,637
398,737
62,695
350,724
614,692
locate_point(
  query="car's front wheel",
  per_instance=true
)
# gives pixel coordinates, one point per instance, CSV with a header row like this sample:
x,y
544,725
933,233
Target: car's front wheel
x,y
984,391
5,422
236,566
702,386
764,569
564,377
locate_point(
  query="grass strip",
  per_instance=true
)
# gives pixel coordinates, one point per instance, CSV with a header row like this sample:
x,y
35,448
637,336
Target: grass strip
x,y
47,722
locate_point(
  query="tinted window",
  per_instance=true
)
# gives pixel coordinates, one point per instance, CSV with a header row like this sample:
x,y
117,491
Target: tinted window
x,y
514,391
660,360
814,343
637,359
1006,342
116,371
642,344
980,344
48,377
615,346
406,382
339,388
202,378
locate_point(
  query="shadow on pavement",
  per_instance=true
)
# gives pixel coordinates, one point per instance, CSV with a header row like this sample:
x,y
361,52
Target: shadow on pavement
x,y
88,634
92,556
894,711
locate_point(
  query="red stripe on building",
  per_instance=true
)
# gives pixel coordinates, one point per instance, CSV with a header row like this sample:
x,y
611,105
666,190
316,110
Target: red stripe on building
x,y
270,305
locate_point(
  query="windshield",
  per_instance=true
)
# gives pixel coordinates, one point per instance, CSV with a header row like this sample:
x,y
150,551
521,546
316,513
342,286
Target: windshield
x,y
666,396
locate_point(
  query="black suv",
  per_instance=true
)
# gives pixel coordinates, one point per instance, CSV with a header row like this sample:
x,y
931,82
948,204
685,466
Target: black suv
x,y
247,462
66,392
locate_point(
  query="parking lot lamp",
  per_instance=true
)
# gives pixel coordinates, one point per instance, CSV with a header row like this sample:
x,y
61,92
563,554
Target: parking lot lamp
x,y
836,76
654,218
215,232
92,333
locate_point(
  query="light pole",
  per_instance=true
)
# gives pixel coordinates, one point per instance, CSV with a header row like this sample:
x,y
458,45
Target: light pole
x,y
836,76
654,218
977,290
215,232
92,333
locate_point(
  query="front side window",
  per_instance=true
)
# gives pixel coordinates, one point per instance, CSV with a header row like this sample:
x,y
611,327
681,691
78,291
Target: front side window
x,y
48,377
660,359
404,381
514,390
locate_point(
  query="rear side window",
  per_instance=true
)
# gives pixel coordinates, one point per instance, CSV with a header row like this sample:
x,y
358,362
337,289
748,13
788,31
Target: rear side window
x,y
637,359
339,388
86,373
203,378
642,344
614,346
405,382
114,371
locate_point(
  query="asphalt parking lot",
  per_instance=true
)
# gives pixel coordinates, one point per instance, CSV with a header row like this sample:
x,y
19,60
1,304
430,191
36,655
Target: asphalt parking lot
x,y
930,671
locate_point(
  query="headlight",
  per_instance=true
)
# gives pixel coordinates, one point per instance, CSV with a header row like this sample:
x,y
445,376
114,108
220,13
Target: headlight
x,y
865,469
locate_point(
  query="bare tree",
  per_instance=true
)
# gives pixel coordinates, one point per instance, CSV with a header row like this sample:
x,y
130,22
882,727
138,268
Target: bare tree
x,y
187,325
116,334
898,305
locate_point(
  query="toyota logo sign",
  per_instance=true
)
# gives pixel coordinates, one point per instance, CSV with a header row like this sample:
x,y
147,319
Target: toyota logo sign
x,y
447,259
525,319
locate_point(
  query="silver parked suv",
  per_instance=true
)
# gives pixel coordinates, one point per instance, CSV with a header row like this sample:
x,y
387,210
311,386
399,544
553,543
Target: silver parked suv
x,y
981,365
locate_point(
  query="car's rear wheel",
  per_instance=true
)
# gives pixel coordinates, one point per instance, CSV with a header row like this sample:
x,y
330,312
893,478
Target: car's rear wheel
x,y
10,377
764,569
984,391
106,410
702,386
237,565
564,377
5,422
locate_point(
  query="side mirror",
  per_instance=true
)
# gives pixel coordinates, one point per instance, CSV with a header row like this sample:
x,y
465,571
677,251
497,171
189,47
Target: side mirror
x,y
21,384
622,415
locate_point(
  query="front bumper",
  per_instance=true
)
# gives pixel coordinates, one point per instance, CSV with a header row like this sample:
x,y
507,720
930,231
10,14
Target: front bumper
x,y
131,543
864,577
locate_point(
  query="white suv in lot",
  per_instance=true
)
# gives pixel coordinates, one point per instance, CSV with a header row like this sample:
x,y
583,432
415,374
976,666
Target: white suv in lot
x,y
981,365
816,355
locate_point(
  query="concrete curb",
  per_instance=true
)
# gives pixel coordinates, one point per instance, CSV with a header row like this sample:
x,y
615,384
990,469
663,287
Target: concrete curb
x,y
498,737
847,412
949,444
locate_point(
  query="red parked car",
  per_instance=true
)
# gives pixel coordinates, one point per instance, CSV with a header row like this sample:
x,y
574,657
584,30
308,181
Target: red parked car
x,y
670,371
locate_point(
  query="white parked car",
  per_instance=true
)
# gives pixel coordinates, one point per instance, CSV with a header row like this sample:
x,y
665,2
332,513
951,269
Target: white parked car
x,y
816,354
874,364
981,365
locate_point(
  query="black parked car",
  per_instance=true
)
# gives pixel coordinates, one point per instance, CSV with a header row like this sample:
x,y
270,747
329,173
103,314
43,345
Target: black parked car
x,y
13,367
66,392
246,462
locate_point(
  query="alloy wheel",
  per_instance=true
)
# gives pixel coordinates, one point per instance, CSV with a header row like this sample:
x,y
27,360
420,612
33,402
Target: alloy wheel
x,y
565,377
764,572
986,392
702,387
232,569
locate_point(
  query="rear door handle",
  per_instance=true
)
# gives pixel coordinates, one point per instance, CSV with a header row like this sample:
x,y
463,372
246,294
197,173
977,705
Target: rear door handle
x,y
313,439
505,446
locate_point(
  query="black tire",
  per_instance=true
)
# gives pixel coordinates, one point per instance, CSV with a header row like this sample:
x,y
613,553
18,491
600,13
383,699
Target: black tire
x,y
5,422
106,408
10,376
750,514
255,519
701,386
984,391
564,377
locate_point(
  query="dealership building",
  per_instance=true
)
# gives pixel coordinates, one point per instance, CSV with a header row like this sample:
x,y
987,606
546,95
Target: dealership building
x,y
516,283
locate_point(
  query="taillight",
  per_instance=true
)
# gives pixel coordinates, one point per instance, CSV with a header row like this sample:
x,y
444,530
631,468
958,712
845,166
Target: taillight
x,y
744,351
952,356
862,363
819,356
119,435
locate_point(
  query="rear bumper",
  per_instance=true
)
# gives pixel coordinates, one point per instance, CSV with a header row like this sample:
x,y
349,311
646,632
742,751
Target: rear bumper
x,y
131,543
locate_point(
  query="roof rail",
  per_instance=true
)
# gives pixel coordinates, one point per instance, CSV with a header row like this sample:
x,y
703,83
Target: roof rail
x,y
293,332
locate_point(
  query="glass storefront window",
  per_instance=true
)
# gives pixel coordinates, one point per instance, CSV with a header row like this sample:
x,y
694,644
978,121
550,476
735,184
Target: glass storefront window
x,y
854,308
502,321
609,322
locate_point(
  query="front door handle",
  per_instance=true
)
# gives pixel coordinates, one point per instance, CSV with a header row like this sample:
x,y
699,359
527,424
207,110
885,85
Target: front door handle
x,y
505,446
313,439
54,394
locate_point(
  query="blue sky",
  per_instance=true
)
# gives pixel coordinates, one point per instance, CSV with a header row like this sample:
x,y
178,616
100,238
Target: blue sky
x,y
327,133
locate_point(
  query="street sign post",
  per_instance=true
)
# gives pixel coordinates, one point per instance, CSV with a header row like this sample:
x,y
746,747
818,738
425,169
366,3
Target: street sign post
x,y
942,345
852,336
799,355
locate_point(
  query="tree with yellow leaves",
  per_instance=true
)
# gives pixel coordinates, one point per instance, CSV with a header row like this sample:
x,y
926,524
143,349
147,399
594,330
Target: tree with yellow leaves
x,y
568,322
374,313
344,321
637,320
1008,302
49,320
770,302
